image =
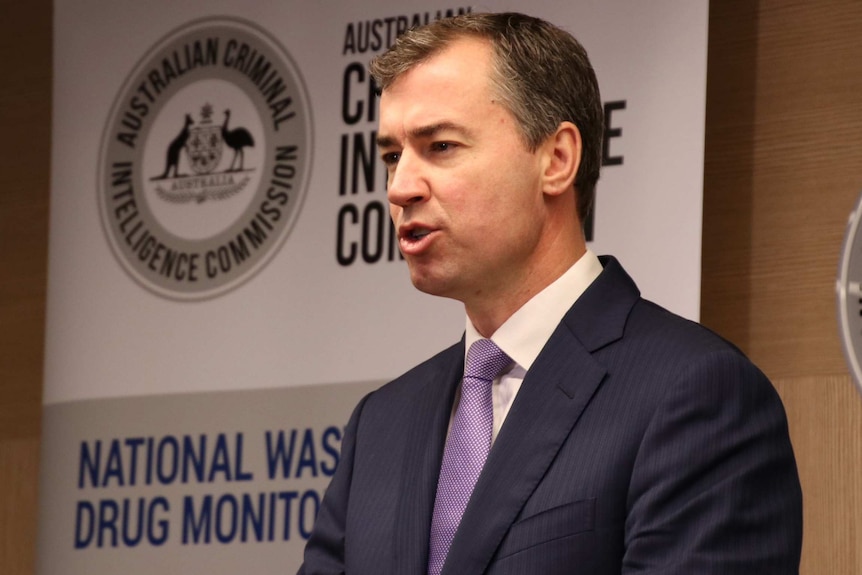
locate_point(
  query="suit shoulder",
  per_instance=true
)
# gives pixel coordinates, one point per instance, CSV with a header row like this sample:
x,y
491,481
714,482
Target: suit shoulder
x,y
662,327
435,370
659,348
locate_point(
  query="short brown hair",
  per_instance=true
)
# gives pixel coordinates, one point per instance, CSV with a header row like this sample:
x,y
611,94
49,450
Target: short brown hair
x,y
541,73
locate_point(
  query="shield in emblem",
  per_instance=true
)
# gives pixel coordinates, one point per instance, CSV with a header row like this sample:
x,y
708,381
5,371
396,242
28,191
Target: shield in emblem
x,y
204,147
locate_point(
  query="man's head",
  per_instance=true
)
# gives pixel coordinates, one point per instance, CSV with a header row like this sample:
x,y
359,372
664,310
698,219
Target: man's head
x,y
481,177
540,73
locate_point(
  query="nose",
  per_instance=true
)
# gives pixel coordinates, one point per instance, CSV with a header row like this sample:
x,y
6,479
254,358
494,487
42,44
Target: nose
x,y
407,183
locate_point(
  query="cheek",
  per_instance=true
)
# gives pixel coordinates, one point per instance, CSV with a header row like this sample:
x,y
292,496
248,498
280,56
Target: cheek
x,y
490,191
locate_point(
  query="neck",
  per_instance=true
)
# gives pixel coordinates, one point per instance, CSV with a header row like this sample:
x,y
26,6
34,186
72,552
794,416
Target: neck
x,y
488,312
562,243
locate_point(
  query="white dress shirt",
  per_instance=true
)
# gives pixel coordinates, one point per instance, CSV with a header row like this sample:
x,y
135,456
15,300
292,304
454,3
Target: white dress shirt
x,y
526,332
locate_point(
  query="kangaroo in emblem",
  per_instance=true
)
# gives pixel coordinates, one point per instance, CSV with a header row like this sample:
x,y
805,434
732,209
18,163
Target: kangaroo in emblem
x,y
174,149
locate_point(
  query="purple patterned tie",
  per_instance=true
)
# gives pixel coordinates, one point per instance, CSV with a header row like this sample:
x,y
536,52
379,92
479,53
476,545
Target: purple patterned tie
x,y
466,448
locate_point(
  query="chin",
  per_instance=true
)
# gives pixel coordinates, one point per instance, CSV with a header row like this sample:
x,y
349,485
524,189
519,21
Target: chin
x,y
431,285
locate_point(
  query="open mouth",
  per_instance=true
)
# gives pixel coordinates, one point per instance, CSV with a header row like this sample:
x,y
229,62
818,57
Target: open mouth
x,y
418,233
415,239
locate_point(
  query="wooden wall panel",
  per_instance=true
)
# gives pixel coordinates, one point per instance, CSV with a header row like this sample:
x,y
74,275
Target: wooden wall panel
x,y
783,170
19,471
825,418
729,170
808,137
25,118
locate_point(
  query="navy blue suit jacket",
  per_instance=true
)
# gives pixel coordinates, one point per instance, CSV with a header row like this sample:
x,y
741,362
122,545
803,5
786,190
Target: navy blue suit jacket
x,y
639,442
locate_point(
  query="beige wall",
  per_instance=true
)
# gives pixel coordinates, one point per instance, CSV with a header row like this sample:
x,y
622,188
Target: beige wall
x,y
783,169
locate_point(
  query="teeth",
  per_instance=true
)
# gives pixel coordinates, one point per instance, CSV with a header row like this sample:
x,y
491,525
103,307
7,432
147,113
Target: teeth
x,y
419,234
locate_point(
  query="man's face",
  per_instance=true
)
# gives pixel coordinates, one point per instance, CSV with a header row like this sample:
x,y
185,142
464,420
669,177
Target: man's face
x,y
464,190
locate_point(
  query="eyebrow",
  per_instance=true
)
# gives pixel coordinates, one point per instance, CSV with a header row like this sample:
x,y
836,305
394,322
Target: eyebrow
x,y
423,132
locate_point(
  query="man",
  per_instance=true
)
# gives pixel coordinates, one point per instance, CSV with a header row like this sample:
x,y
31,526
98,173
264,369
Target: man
x,y
623,439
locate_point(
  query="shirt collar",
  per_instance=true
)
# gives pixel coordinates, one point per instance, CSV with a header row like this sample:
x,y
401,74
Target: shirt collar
x,y
526,332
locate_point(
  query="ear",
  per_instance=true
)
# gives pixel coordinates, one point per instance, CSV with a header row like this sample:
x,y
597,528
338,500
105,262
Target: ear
x,y
562,157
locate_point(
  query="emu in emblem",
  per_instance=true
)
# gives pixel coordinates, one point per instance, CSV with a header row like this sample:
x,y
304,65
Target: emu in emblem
x,y
237,139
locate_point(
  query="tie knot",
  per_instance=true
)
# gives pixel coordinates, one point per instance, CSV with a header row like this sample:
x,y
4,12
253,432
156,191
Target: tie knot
x,y
485,360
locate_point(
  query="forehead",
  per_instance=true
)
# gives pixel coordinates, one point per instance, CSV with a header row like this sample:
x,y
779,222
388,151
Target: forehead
x,y
456,79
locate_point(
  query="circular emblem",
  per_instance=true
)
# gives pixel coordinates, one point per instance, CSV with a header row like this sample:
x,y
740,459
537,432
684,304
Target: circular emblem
x,y
849,290
205,159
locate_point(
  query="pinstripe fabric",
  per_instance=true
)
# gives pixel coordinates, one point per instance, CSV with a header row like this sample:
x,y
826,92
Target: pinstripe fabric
x,y
639,443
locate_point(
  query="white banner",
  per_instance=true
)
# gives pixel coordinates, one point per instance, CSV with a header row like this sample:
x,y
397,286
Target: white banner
x,y
224,283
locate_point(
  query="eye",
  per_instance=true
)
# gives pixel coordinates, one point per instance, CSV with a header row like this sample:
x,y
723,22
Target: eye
x,y
391,158
442,146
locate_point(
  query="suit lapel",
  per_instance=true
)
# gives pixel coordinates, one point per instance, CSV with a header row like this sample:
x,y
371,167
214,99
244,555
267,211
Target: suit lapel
x,y
423,454
556,390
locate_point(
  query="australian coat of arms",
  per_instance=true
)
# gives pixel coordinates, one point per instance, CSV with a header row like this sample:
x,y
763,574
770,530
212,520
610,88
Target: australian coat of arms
x,y
203,144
